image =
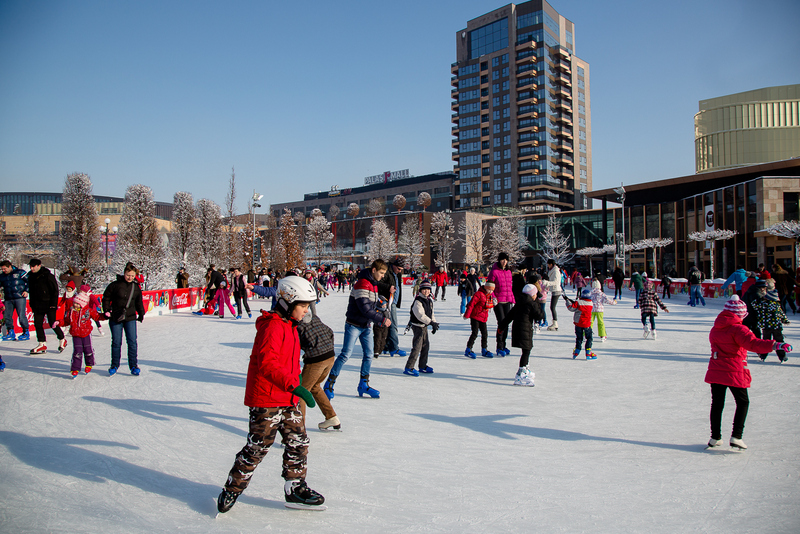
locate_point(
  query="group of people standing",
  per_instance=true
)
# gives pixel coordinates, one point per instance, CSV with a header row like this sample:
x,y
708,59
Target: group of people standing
x,y
76,308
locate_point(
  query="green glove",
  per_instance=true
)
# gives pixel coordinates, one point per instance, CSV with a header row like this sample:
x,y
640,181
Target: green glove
x,y
304,394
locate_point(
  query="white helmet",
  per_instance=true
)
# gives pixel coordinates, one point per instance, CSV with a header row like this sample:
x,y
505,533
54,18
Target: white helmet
x,y
294,289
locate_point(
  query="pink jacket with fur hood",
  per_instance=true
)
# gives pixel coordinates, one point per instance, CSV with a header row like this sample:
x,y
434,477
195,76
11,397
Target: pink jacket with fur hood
x,y
730,341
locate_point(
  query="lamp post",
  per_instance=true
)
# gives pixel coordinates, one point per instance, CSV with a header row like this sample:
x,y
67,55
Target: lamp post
x,y
105,229
256,198
621,192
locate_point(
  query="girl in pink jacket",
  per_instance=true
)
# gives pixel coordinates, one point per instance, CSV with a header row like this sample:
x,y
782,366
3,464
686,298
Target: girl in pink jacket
x,y
727,368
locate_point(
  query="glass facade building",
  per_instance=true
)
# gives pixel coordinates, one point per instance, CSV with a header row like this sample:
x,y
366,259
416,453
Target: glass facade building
x,y
521,112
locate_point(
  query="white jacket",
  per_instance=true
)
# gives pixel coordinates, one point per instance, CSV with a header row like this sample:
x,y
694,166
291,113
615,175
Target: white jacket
x,y
554,282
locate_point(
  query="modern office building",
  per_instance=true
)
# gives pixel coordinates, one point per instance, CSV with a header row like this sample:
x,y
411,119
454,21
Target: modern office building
x,y
747,128
521,112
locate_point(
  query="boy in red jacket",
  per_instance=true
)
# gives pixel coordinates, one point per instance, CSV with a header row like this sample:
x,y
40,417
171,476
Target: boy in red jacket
x,y
583,322
478,313
80,328
273,392
727,368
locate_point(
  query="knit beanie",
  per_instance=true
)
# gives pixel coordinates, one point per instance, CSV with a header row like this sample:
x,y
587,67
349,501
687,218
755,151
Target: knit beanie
x,y
595,284
772,294
531,290
81,299
425,285
737,306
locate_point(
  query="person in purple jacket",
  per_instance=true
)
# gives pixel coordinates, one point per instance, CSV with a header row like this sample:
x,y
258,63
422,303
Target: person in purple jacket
x,y
501,275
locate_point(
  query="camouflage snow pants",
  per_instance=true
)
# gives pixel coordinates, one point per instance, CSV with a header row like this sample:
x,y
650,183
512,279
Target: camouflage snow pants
x,y
265,423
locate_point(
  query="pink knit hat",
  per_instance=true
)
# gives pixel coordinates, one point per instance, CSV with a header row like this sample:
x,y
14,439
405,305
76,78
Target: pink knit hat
x,y
81,298
736,306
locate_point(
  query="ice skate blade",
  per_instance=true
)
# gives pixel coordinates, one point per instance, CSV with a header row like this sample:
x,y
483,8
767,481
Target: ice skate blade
x,y
300,506
735,448
331,429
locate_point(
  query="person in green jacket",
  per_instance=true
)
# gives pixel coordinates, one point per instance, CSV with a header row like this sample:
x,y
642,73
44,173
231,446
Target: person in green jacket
x,y
638,284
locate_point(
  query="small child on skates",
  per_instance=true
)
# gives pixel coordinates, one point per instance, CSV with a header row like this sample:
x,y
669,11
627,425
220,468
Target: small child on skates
x,y
727,368
316,340
421,317
272,393
582,319
478,313
81,315
524,314
599,299
770,319
648,300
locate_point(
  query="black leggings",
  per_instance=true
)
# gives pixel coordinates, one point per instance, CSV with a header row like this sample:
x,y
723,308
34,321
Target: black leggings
x,y
523,360
652,320
717,405
500,312
476,326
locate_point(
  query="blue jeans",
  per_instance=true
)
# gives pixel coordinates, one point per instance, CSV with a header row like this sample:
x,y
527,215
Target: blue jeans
x,y
580,333
638,292
392,341
351,335
116,342
22,316
696,295
464,302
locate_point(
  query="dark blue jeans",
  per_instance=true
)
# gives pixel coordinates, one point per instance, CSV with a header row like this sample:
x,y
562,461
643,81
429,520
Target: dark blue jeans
x,y
130,338
580,333
22,316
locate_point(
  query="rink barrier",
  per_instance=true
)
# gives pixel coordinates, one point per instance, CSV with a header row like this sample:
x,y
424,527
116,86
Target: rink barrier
x,y
711,290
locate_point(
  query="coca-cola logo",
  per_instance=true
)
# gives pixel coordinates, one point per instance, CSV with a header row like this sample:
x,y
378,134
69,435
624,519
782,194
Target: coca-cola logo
x,y
180,300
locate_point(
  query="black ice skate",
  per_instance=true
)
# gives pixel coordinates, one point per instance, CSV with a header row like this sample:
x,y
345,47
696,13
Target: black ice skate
x,y
226,500
300,497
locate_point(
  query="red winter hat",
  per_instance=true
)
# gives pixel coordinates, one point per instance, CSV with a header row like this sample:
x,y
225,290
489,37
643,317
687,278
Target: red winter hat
x,y
736,306
71,285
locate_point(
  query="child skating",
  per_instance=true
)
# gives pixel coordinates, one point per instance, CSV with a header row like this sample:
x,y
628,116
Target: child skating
x,y
582,319
727,368
648,306
81,315
770,319
316,340
524,314
478,313
272,393
599,299
421,317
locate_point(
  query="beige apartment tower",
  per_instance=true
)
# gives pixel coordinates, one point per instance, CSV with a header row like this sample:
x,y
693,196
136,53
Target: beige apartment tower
x,y
522,132
748,128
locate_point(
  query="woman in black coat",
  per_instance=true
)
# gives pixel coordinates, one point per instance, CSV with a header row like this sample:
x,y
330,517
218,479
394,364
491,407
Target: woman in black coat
x,y
524,314
123,305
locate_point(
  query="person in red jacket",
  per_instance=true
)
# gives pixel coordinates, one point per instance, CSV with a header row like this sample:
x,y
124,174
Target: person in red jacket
x,y
272,392
440,278
81,315
583,322
478,313
727,368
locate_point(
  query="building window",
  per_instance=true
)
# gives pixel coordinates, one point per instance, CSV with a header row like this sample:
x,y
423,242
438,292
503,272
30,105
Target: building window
x,y
506,153
583,147
507,182
485,201
497,199
506,139
506,167
507,198
497,169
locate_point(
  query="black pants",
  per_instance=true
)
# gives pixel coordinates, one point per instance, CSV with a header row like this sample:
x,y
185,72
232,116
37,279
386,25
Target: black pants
x,y
444,287
776,334
241,297
718,404
476,326
38,323
500,311
523,360
665,292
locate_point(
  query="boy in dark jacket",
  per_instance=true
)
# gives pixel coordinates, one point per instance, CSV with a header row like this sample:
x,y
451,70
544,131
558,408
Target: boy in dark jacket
x,y
272,393
421,317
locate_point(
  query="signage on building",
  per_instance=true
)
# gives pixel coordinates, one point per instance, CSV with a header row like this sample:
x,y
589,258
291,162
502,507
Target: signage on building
x,y
387,177
709,216
337,192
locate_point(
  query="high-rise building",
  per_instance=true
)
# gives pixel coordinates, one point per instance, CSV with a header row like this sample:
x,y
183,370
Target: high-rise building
x,y
747,128
521,112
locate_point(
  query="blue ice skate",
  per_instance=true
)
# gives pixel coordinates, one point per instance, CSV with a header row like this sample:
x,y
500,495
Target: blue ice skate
x,y
469,354
25,336
486,354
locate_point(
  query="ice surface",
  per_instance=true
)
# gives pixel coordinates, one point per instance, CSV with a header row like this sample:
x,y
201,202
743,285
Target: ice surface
x,y
614,445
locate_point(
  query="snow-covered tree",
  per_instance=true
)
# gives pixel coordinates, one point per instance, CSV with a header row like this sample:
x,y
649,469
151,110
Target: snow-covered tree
x,y
442,230
290,252
208,232
424,200
79,235
232,251
713,236
375,207
318,235
380,242
505,235
554,242
139,241
353,209
473,234
181,238
7,250
334,212
399,202
411,242
34,236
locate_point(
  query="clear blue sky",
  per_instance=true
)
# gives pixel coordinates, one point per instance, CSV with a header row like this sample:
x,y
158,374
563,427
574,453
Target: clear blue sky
x,y
301,96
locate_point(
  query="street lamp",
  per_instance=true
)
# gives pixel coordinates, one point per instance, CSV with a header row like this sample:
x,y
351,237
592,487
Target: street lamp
x,y
105,229
621,192
256,198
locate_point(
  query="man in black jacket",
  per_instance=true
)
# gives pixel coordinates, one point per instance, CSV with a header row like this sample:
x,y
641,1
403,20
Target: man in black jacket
x,y
123,305
392,286
43,295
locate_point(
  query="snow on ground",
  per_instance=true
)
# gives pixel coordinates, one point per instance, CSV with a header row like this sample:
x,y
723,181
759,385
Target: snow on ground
x,y
614,445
